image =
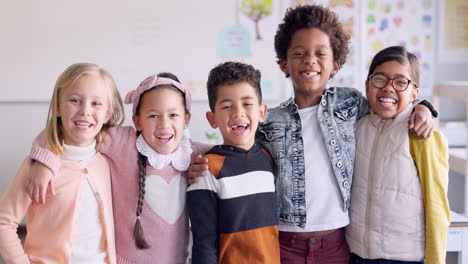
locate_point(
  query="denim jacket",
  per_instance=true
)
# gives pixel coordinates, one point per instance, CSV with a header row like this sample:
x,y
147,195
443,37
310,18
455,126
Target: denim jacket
x,y
281,133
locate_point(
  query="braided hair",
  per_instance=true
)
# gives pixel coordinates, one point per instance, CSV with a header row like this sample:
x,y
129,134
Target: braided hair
x,y
138,234
138,230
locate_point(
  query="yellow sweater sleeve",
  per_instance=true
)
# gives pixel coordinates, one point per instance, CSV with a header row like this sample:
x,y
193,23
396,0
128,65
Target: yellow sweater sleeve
x,y
431,158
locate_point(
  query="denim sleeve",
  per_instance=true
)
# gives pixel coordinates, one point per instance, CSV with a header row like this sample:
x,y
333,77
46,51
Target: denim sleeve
x,y
363,104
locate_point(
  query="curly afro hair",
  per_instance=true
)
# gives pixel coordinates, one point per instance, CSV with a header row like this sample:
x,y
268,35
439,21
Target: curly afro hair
x,y
312,16
231,73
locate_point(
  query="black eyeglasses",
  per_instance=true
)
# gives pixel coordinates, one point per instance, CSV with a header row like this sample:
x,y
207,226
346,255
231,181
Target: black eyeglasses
x,y
400,84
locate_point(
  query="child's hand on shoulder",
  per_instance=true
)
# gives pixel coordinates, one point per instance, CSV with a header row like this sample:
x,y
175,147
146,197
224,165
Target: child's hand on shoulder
x,y
39,183
420,122
197,169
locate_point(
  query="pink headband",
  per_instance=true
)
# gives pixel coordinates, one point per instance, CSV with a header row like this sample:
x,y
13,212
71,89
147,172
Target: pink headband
x,y
151,82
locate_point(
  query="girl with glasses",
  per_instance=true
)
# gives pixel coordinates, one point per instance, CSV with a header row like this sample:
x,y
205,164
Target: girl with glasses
x,y
399,209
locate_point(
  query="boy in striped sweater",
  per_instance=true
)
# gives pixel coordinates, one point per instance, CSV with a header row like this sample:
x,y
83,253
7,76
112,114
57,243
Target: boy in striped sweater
x,y
233,209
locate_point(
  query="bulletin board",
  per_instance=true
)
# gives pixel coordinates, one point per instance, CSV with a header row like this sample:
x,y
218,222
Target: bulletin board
x,y
405,23
132,40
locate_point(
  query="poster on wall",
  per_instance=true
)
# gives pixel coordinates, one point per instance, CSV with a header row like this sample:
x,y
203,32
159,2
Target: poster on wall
x,y
249,39
405,23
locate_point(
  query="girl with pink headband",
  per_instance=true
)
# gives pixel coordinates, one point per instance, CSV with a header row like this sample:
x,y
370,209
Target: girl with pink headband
x,y
148,169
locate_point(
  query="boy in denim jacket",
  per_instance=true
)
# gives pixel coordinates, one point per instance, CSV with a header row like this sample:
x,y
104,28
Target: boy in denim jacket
x,y
312,137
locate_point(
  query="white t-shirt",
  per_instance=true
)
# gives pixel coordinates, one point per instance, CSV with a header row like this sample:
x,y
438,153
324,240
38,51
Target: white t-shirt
x,y
87,246
324,203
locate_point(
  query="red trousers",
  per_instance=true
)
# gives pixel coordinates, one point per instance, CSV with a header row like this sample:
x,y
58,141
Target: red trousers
x,y
328,249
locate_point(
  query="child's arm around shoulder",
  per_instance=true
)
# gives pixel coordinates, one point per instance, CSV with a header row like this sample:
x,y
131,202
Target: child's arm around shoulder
x,y
202,204
14,204
117,144
198,164
117,141
431,159
200,148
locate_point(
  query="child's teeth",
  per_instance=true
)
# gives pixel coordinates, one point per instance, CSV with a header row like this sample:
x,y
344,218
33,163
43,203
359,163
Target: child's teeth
x,y
238,126
310,73
387,100
82,123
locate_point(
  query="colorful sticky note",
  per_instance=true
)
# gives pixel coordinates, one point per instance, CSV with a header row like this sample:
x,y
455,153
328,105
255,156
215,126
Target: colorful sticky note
x,y
335,3
387,8
370,19
427,43
377,45
427,19
349,26
397,21
383,24
427,4
401,5
371,5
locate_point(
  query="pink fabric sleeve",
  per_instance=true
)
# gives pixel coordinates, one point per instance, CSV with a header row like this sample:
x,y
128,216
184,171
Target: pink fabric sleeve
x,y
200,148
116,145
119,143
13,206
41,153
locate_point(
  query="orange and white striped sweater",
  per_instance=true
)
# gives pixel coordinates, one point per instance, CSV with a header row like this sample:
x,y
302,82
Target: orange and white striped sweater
x,y
232,209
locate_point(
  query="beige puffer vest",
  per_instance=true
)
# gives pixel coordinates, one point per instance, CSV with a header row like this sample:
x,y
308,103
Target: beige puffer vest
x,y
387,212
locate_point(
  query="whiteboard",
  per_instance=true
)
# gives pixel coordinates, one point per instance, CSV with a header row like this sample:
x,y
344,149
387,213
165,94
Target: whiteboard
x,y
131,39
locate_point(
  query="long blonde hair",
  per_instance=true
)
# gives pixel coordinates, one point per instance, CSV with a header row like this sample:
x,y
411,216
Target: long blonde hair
x,y
54,133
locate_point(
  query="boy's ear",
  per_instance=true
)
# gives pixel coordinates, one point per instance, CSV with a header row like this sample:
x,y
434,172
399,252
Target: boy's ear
x,y
263,112
136,122
284,66
336,67
211,119
187,120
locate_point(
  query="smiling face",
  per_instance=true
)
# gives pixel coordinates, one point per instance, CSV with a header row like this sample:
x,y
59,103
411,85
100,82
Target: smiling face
x,y
84,108
387,102
237,113
309,62
162,119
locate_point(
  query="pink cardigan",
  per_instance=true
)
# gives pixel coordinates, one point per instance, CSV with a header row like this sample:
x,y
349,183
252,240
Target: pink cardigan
x,y
168,241
50,226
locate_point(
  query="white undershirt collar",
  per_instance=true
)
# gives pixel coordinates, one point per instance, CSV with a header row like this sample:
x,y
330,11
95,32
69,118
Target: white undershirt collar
x,y
75,153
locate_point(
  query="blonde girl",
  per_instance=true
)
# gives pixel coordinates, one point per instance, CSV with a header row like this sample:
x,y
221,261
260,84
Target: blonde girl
x,y
148,167
76,225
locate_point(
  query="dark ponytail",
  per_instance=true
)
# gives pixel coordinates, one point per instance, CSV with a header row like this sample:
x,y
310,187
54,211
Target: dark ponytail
x,y
138,231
